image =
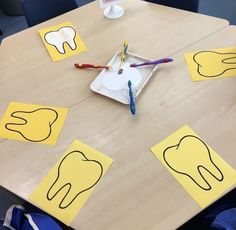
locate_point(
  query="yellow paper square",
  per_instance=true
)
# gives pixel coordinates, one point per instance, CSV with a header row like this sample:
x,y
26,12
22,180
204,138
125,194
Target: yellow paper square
x,y
68,185
62,41
33,123
212,64
195,165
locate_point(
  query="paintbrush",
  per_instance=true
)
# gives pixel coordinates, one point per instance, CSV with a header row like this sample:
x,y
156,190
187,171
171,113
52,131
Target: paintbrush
x,y
122,59
156,62
132,99
86,66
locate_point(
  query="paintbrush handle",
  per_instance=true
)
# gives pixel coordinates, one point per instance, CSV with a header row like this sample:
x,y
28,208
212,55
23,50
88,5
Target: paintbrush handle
x,y
124,50
132,99
85,66
156,62
122,56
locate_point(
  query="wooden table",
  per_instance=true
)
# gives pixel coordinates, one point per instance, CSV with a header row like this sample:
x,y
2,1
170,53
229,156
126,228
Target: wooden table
x,y
137,192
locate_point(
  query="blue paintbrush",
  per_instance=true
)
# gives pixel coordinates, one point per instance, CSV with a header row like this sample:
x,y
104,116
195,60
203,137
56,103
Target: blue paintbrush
x,y
132,100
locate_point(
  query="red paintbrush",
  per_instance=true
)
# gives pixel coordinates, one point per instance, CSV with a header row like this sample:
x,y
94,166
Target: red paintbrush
x,y
86,66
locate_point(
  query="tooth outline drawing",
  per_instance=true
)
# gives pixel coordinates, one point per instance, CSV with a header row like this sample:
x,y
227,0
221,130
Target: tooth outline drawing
x,y
199,166
52,31
25,122
69,185
223,61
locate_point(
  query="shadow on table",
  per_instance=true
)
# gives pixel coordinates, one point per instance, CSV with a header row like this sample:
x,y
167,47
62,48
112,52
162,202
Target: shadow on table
x,y
203,220
8,199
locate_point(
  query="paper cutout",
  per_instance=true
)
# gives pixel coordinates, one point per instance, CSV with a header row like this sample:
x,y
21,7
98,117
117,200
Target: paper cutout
x,y
58,38
71,181
212,64
33,123
62,41
197,167
78,159
198,161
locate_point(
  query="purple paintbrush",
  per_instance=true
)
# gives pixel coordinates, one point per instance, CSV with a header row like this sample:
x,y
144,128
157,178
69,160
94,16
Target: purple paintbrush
x,y
156,62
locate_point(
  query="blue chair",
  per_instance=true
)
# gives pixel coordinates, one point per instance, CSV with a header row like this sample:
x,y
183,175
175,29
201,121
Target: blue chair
x,y
190,5
8,199
37,11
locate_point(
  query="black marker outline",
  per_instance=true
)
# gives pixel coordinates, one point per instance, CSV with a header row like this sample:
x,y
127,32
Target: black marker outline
x,y
223,61
199,167
69,184
63,42
25,122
